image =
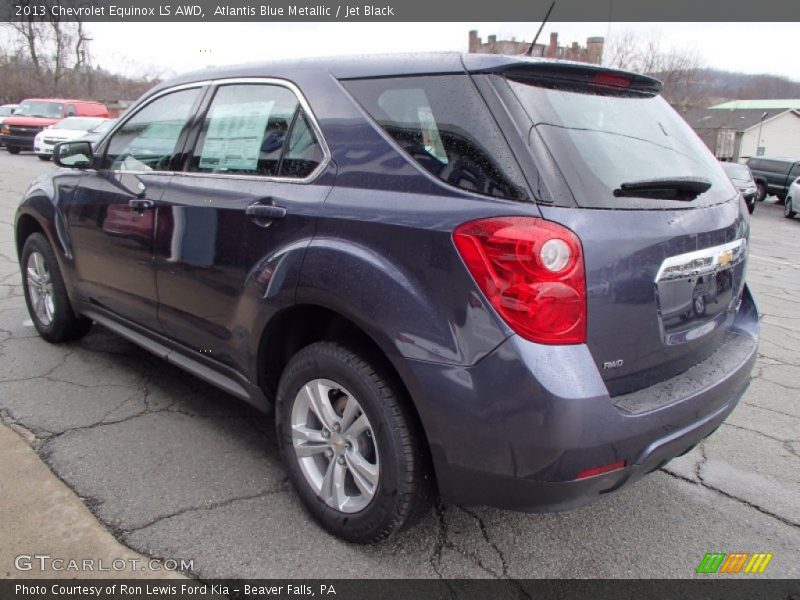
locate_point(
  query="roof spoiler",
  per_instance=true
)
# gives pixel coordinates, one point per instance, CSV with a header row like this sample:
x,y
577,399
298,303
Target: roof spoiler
x,y
566,75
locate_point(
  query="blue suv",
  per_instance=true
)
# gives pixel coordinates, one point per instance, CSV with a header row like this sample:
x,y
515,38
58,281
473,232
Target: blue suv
x,y
505,281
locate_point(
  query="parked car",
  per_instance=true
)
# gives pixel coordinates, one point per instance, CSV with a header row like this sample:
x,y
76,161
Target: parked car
x,y
792,204
33,115
70,128
5,111
95,134
773,175
405,276
743,180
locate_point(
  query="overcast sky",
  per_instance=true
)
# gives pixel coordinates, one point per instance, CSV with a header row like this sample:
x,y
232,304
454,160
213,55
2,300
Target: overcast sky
x,y
169,48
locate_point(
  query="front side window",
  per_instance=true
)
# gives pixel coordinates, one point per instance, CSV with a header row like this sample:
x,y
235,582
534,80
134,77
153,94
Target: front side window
x,y
256,129
442,123
148,140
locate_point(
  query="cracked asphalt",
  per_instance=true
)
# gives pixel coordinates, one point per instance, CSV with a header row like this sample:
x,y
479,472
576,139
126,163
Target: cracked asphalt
x,y
175,468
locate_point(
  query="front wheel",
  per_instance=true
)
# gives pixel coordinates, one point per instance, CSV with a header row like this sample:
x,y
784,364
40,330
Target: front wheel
x,y
788,211
350,444
43,156
12,150
46,295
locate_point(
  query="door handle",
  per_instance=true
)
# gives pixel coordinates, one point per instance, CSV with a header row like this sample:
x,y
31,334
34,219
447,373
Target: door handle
x,y
265,211
140,204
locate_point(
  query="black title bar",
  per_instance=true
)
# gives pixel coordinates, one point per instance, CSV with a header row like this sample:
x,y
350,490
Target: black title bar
x,y
399,10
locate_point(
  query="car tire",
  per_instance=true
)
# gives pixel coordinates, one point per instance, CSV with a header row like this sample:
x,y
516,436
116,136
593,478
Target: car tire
x,y
781,199
46,295
788,211
751,206
380,473
43,156
12,149
761,192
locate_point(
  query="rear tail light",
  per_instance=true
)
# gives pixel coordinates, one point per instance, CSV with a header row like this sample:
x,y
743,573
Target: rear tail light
x,y
532,273
612,79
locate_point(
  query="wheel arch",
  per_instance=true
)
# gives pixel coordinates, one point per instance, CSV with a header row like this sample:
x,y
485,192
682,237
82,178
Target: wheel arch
x,y
25,226
300,325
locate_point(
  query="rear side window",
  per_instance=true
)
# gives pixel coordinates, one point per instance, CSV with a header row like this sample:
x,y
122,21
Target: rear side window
x,y
256,129
442,123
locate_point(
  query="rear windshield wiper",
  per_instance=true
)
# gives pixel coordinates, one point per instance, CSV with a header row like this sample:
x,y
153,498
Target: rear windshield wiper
x,y
665,188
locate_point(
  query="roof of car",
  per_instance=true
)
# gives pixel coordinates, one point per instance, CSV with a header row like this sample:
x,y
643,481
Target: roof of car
x,y
60,100
370,65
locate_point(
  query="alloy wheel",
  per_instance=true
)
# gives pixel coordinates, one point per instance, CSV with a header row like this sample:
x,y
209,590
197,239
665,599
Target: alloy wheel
x,y
335,445
40,288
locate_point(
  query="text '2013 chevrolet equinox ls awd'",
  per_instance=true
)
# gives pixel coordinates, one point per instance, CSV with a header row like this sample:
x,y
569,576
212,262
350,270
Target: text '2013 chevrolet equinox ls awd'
x,y
508,281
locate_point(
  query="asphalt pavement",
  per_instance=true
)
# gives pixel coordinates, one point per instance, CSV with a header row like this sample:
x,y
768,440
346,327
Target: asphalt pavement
x,y
176,469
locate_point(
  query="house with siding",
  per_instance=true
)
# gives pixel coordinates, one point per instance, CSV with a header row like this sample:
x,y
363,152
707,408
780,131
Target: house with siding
x,y
758,130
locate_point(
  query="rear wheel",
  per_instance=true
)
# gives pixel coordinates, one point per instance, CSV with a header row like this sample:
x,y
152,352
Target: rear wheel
x,y
761,191
12,150
788,211
46,295
350,444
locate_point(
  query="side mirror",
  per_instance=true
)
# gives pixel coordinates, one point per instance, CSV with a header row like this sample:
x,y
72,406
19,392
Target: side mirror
x,y
74,155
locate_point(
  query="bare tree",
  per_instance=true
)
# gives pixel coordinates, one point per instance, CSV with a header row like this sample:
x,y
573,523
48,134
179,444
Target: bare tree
x,y
679,70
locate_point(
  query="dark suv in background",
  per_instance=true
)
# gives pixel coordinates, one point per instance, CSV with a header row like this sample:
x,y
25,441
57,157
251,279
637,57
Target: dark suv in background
x,y
773,175
510,281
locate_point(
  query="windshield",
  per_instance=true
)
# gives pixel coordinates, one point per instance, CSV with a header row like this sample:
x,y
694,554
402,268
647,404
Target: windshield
x,y
602,141
38,108
736,171
104,126
78,123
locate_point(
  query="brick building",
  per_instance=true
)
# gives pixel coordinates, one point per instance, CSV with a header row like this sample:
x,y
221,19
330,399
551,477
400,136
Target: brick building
x,y
591,53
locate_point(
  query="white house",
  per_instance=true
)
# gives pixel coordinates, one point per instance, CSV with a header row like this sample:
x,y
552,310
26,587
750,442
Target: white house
x,y
777,135
739,133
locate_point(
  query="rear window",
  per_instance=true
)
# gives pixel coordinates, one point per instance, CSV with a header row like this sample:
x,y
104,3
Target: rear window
x,y
601,141
36,108
442,123
736,171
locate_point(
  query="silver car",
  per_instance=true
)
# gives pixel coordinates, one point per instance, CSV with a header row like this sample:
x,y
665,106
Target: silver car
x,y
792,200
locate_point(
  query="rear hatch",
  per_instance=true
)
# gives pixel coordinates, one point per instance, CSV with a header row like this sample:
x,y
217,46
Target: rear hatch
x,y
662,227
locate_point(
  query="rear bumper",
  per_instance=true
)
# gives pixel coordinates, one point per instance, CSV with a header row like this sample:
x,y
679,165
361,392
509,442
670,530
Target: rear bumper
x,y
516,429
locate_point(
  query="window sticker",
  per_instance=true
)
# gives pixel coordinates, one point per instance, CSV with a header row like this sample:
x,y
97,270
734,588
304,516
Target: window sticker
x,y
233,140
430,134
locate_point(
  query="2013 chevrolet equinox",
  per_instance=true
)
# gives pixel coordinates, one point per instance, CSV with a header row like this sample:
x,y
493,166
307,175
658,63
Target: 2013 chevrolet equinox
x,y
516,282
